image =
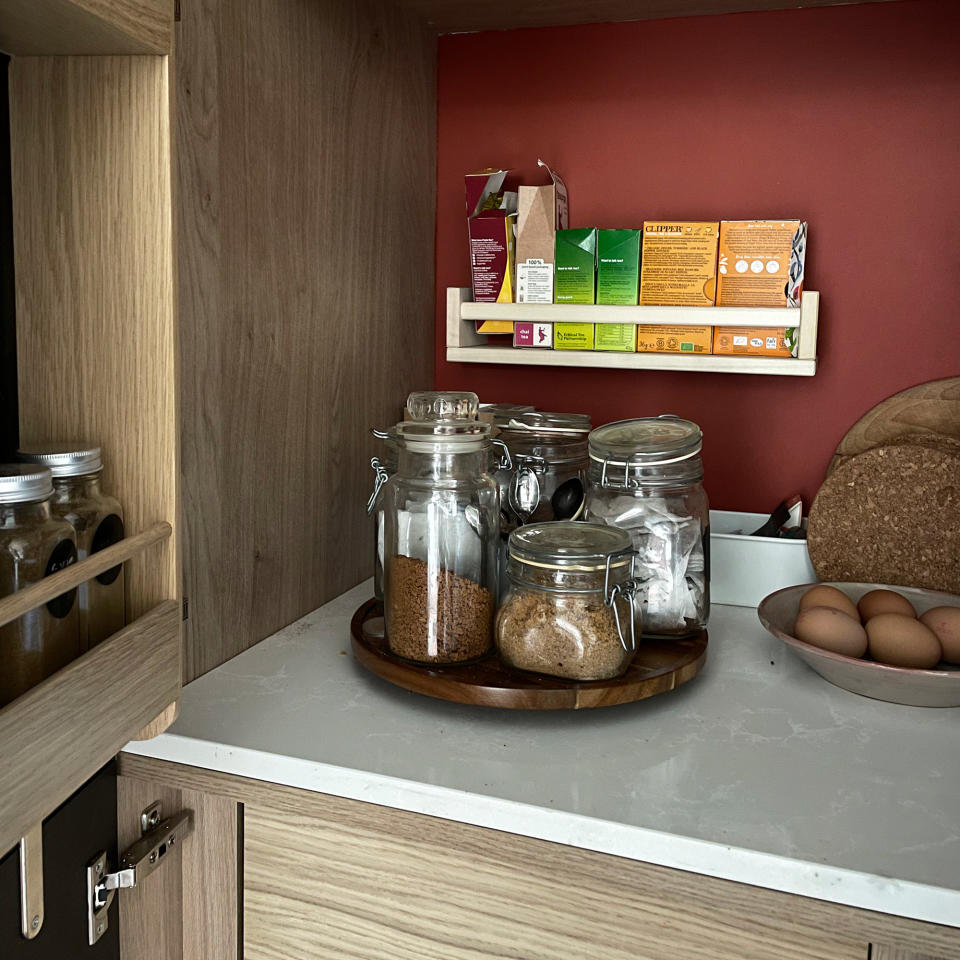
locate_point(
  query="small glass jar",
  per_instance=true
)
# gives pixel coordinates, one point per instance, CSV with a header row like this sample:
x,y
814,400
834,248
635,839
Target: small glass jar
x,y
441,533
569,611
646,477
97,520
33,544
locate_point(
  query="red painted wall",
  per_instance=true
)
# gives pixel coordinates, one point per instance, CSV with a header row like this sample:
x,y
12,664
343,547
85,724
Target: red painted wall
x,y
846,116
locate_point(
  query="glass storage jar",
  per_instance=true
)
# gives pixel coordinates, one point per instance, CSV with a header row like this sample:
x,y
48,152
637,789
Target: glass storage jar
x,y
646,477
502,413
384,467
545,480
569,610
441,531
33,544
97,520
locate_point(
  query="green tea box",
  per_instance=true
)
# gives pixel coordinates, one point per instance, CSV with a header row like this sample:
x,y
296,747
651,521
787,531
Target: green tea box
x,y
616,336
618,267
576,266
573,336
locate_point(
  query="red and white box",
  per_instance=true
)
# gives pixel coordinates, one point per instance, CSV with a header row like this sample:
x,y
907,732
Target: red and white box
x,y
537,335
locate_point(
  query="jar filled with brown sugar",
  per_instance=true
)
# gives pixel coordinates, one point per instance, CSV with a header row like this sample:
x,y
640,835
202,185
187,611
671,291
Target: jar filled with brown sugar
x,y
97,519
441,532
569,611
33,544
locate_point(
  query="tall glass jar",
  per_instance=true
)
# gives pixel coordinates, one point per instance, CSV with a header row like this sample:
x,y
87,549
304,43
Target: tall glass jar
x,y
569,611
97,519
646,477
441,531
384,467
33,544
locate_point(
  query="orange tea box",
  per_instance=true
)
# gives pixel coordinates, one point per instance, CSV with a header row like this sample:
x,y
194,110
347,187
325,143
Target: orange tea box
x,y
656,339
678,264
756,341
761,263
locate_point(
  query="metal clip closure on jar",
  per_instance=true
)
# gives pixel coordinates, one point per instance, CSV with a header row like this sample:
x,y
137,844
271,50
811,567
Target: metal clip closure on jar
x,y
561,616
655,450
381,478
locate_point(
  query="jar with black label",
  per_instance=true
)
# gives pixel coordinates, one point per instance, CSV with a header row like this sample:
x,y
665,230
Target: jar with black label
x,y
33,544
97,519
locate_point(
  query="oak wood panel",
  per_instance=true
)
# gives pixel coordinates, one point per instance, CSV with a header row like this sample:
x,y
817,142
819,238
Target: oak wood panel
x,y
455,16
37,594
94,276
54,736
800,914
306,185
159,724
188,909
151,914
83,27
883,952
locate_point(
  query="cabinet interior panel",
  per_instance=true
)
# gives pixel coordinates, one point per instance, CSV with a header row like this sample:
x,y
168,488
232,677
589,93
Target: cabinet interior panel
x,y
82,27
90,145
305,195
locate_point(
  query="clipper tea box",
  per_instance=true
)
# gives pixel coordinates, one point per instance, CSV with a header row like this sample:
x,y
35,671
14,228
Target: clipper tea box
x,y
678,265
756,341
576,263
761,263
618,266
665,339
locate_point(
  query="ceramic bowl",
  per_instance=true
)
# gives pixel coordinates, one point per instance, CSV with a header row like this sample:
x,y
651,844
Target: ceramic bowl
x,y
939,687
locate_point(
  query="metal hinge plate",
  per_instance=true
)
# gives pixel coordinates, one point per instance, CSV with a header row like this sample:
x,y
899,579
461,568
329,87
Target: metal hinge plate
x,y
158,839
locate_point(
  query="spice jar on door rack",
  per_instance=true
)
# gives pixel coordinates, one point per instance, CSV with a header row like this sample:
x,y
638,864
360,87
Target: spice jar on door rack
x,y
646,477
569,611
97,519
33,544
441,533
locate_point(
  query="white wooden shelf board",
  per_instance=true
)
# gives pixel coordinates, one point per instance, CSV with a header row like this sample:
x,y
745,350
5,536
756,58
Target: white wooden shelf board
x,y
465,345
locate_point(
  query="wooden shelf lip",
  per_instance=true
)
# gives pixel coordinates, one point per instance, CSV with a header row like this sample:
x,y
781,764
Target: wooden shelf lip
x,y
55,735
663,316
37,594
712,363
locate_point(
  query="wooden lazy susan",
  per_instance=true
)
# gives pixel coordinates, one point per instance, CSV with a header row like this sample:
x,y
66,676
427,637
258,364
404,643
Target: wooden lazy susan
x,y
659,665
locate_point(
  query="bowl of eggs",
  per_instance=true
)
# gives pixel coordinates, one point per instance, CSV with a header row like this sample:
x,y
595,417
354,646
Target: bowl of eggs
x,y
899,644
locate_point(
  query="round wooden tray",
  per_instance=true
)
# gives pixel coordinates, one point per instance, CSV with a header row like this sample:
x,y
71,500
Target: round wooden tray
x,y
660,665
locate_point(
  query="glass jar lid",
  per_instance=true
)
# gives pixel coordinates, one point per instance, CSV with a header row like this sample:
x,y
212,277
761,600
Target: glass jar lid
x,y
571,545
24,482
647,441
64,459
442,405
561,423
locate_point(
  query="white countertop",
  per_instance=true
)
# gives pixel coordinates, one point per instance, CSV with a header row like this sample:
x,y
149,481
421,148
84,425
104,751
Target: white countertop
x,y
757,771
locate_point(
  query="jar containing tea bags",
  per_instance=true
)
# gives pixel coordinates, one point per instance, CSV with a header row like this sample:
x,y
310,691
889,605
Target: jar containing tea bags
x,y
33,544
97,519
646,477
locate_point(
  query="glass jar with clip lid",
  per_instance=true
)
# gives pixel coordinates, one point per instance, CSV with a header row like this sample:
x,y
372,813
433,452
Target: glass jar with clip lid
x,y
646,477
569,611
441,533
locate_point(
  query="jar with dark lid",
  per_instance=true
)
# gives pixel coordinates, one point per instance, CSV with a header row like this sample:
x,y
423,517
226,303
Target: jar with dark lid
x,y
646,477
33,544
441,533
569,610
97,519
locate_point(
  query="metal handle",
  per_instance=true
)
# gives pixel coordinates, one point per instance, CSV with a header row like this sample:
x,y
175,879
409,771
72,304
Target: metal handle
x,y
381,478
626,589
525,485
506,463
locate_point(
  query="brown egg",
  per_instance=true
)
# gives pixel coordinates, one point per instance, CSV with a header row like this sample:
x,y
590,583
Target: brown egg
x,y
945,623
823,595
902,641
831,629
884,601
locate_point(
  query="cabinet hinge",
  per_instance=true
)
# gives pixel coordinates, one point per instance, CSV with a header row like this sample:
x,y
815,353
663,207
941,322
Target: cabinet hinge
x,y
158,838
